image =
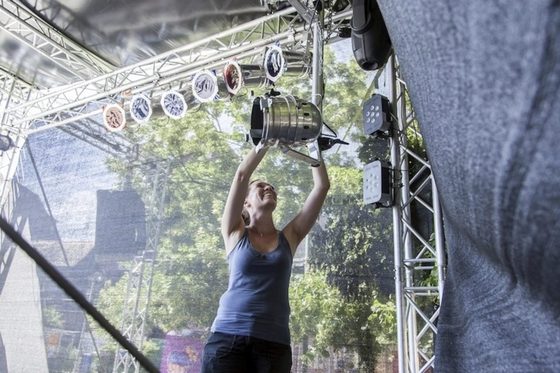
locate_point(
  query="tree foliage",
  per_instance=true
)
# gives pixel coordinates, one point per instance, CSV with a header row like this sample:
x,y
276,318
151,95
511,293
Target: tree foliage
x,y
337,303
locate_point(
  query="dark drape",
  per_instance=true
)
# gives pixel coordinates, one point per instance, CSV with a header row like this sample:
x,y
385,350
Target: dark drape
x,y
484,78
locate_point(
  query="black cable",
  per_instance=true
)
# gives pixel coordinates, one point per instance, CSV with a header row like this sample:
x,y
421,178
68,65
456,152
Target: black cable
x,y
76,295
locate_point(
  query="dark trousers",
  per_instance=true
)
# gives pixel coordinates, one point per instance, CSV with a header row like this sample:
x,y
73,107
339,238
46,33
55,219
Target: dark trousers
x,y
226,353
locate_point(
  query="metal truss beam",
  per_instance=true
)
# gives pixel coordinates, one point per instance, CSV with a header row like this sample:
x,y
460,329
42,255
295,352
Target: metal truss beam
x,y
31,30
13,86
170,69
418,256
137,298
14,91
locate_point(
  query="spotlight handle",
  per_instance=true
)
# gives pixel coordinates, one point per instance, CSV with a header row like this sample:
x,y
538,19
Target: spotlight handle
x,y
325,143
299,155
328,141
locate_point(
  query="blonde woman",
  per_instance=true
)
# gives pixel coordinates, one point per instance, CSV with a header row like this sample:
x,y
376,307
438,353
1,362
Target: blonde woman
x,y
250,332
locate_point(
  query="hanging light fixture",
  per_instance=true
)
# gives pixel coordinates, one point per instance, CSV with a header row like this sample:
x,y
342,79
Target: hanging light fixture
x,y
285,121
376,113
206,86
238,76
140,108
378,184
114,117
371,43
174,104
6,143
277,62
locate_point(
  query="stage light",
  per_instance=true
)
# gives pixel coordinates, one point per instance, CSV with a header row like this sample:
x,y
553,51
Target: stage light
x,y
173,104
140,108
114,117
285,121
277,62
6,143
207,87
377,184
370,39
238,76
377,116
339,5
233,77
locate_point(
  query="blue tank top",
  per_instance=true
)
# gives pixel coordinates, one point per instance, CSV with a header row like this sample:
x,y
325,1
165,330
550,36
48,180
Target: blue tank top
x,y
256,301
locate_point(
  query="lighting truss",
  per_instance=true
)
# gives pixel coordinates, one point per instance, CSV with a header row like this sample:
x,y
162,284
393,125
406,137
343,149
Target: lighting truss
x,y
13,87
32,31
14,91
417,255
172,68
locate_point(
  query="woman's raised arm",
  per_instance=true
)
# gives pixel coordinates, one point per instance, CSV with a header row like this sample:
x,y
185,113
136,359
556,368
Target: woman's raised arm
x,y
302,223
232,222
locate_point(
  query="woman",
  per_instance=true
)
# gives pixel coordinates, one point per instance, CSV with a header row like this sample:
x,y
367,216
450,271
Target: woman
x,y
250,332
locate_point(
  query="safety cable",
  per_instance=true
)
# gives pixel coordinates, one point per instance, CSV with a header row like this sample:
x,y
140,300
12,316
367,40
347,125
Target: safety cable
x,y
76,295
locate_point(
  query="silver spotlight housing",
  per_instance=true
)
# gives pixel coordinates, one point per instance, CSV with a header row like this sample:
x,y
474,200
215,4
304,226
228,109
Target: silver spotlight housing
x,y
286,121
238,76
277,62
114,117
207,87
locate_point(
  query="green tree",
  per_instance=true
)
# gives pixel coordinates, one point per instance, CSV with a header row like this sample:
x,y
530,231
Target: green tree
x,y
191,270
316,307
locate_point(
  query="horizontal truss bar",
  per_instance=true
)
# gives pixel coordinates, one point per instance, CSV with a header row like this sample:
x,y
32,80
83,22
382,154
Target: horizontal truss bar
x,y
42,37
280,27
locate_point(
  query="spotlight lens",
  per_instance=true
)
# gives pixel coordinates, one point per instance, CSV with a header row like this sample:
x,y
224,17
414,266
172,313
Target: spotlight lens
x,y
174,105
274,63
140,108
114,117
231,76
205,86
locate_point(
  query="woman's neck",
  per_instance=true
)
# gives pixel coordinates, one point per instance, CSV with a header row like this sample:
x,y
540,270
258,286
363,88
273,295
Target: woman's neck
x,y
262,225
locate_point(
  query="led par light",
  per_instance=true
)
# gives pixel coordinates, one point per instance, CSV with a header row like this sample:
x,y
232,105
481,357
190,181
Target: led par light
x,y
140,108
237,76
377,184
233,77
173,104
277,62
114,117
6,143
377,113
286,121
206,86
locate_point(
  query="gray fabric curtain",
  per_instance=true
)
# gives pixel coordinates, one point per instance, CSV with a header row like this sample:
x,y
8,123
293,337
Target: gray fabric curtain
x,y
484,78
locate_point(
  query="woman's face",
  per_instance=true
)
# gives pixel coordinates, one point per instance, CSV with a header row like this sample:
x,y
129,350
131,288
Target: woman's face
x,y
261,194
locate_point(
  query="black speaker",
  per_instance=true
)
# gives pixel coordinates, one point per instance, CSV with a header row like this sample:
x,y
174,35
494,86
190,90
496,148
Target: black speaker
x,y
370,39
120,222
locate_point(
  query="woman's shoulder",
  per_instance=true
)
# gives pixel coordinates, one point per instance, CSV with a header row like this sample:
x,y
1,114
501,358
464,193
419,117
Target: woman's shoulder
x,y
290,238
235,239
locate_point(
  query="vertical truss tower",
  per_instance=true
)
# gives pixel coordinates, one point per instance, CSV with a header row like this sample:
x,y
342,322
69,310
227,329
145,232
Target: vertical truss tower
x,y
419,250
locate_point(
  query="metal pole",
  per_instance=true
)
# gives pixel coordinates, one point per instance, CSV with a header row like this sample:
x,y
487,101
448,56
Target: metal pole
x,y
317,64
413,361
440,247
397,229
